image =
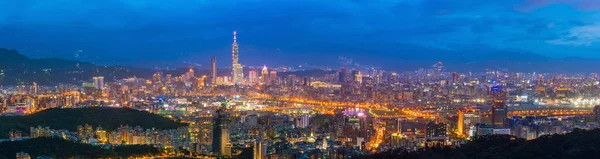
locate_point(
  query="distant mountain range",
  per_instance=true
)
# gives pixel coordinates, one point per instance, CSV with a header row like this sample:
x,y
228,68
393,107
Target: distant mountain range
x,y
17,69
404,57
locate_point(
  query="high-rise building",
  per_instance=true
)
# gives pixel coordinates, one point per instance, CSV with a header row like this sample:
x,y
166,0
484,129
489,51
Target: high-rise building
x,y
437,70
454,77
435,130
189,76
169,78
237,70
597,113
260,149
99,82
264,75
354,75
302,121
498,108
220,143
157,77
253,76
343,75
273,75
213,70
358,78
467,118
307,81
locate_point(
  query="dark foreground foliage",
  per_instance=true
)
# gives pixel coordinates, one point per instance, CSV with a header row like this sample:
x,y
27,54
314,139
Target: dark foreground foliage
x,y
59,148
577,144
107,118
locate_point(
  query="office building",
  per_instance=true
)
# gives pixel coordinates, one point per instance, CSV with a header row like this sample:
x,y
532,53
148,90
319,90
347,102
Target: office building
x,y
99,82
498,108
213,70
221,144
264,75
237,70
273,75
343,75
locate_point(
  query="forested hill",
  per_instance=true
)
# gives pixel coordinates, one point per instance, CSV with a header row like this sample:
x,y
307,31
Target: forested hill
x,y
59,148
16,69
107,118
578,144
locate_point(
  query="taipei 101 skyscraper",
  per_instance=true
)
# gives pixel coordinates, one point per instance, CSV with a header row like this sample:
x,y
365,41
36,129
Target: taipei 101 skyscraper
x,y
237,70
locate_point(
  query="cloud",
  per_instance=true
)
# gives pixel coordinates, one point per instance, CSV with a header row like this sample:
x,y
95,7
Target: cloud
x,y
195,29
531,5
583,35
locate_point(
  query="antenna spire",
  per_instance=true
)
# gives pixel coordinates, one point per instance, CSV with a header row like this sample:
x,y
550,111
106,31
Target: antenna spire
x,y
234,37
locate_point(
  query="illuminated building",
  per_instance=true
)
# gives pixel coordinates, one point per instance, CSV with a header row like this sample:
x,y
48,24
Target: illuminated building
x,y
460,122
189,75
34,89
437,69
562,92
466,118
237,72
200,81
157,77
227,80
273,75
454,77
358,77
354,75
260,150
597,112
264,74
169,77
399,140
435,134
220,81
220,143
498,108
436,130
302,121
23,155
98,82
253,76
307,81
318,84
213,70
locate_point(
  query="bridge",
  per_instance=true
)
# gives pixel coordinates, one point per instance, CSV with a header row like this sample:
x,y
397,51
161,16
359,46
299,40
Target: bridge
x,y
381,111
550,112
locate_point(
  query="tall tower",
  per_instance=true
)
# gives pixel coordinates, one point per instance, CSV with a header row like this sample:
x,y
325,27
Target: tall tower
x,y
498,108
213,70
265,74
220,142
237,72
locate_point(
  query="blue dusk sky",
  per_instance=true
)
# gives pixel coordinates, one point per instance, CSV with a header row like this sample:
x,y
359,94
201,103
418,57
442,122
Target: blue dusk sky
x,y
149,33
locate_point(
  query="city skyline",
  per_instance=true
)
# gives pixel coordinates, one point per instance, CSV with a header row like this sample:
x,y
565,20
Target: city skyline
x,y
260,79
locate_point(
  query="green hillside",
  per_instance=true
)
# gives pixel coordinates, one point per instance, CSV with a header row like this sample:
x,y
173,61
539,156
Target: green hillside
x,y
107,118
59,148
577,144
